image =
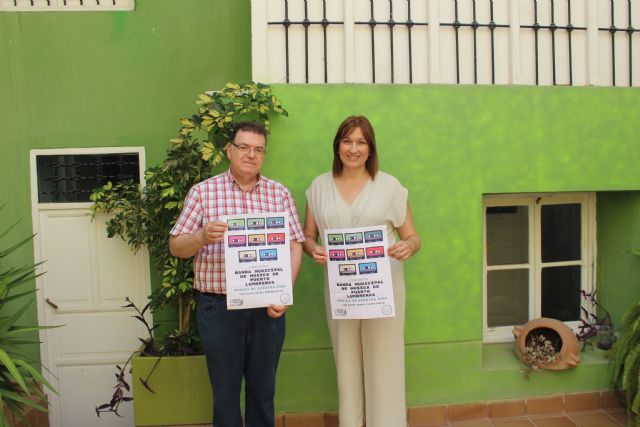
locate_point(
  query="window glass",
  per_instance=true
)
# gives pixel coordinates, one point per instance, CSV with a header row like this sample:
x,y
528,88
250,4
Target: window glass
x,y
560,232
561,292
507,235
507,297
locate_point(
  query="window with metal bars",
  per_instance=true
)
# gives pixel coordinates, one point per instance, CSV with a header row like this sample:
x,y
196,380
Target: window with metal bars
x,y
533,42
71,178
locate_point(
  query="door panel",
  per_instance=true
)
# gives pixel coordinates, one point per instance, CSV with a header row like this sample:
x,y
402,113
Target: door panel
x,y
88,276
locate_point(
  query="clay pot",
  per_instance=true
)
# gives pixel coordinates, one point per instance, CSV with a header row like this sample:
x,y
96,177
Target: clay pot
x,y
569,353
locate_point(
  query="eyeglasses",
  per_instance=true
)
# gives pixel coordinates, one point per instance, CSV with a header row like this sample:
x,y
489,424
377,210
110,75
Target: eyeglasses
x,y
245,149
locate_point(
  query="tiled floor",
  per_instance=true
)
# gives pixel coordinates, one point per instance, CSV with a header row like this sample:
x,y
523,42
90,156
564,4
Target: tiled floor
x,y
600,418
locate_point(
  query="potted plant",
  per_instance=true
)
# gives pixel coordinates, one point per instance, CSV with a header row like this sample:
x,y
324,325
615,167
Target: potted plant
x,y
20,382
144,216
625,360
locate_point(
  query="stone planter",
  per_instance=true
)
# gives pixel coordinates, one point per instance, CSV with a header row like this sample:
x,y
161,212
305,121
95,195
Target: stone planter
x,y
569,348
182,392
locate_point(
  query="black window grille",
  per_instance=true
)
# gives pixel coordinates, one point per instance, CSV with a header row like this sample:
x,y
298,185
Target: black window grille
x,y
553,26
391,24
475,26
562,32
613,30
72,177
306,23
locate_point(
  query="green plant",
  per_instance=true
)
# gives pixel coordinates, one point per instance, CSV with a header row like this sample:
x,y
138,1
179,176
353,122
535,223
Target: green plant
x,y
20,381
144,216
625,360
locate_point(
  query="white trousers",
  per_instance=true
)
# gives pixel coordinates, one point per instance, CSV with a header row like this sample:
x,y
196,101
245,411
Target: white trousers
x,y
369,356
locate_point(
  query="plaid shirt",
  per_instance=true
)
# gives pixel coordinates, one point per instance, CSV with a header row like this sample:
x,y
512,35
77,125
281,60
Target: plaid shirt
x,y
221,195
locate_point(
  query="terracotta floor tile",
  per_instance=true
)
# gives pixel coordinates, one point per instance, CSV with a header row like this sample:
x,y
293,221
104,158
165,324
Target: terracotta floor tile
x,y
598,419
467,412
507,409
477,423
609,400
582,402
304,420
331,419
513,423
545,405
553,422
620,415
427,415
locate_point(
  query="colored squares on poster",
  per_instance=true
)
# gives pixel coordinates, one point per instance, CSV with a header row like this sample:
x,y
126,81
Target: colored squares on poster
x,y
256,239
373,236
347,269
268,254
335,239
336,255
255,223
367,268
275,238
375,252
235,224
353,238
353,254
237,241
247,256
275,222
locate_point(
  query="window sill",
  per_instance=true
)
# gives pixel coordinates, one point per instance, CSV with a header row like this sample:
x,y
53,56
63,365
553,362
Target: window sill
x,y
501,357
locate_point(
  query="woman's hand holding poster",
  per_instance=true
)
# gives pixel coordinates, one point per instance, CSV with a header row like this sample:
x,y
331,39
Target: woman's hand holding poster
x,y
359,273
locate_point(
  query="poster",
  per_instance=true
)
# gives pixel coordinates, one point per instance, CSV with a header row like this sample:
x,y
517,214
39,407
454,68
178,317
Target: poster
x,y
359,273
258,261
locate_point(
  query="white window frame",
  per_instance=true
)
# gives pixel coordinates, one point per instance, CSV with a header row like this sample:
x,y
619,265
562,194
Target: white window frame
x,y
534,202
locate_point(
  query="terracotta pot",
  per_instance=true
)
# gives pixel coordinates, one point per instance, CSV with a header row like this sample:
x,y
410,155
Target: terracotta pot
x,y
569,353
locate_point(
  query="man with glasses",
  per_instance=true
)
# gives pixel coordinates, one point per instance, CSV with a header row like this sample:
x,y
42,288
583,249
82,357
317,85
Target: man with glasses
x,y
237,343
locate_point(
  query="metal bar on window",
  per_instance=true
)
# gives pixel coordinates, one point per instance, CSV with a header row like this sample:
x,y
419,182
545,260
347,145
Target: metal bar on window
x,y
305,24
492,27
372,25
409,25
456,26
390,23
630,31
325,24
570,30
286,23
474,25
553,29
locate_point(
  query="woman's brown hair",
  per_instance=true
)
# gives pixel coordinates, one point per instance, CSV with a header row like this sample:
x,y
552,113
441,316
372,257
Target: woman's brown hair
x,y
345,128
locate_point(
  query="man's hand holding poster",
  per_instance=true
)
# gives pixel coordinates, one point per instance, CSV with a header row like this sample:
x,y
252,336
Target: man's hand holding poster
x,y
359,273
258,261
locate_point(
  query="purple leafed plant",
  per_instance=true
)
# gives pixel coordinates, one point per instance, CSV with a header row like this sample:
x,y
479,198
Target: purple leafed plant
x,y
591,323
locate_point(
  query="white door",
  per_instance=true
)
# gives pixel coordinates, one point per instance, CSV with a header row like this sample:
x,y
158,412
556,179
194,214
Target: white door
x,y
87,278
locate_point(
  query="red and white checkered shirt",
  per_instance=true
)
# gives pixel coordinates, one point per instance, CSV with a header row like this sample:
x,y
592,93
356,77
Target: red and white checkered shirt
x,y
221,195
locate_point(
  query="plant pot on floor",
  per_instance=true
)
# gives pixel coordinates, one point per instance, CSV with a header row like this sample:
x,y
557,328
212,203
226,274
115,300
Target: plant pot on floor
x,y
182,391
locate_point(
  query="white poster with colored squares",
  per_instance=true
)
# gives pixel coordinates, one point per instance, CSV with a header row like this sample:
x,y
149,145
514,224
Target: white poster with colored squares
x,y
258,261
359,273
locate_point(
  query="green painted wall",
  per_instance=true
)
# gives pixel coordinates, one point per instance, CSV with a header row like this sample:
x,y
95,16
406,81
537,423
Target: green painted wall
x,y
105,79
450,145
86,79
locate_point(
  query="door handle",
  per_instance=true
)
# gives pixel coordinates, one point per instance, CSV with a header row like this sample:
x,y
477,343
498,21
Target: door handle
x,y
51,303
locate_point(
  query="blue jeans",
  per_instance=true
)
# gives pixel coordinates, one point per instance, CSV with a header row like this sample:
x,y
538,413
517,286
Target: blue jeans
x,y
240,343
